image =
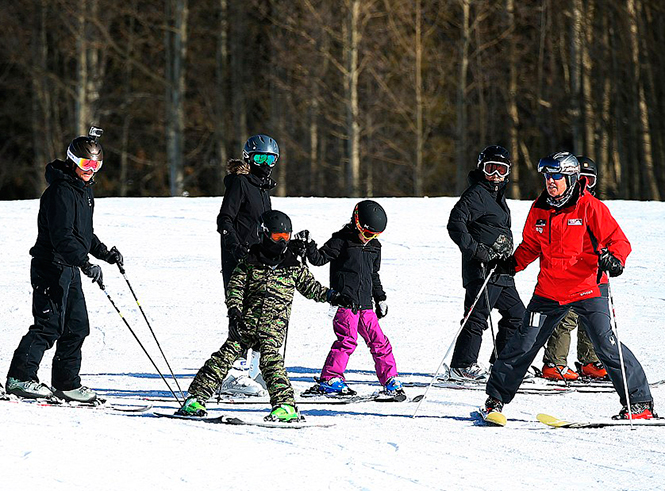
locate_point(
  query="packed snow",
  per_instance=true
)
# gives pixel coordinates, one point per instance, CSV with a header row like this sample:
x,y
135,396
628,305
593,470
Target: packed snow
x,y
172,258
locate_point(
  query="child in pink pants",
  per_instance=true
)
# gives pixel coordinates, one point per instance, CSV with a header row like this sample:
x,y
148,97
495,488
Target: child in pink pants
x,y
354,254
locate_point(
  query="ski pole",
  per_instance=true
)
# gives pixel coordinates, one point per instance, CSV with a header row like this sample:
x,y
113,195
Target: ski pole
x,y
489,316
466,318
122,271
623,365
103,288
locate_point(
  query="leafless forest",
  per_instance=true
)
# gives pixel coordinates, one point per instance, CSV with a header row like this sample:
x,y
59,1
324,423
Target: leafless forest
x,y
365,97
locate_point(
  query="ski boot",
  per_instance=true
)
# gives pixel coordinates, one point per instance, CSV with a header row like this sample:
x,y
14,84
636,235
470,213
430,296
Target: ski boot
x,y
192,407
29,389
594,371
558,372
284,413
82,394
473,373
393,390
335,387
638,410
493,405
242,385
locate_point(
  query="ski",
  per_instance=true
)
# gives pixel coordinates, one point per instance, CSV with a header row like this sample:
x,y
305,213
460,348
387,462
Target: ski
x,y
560,423
102,404
493,418
321,400
525,388
227,420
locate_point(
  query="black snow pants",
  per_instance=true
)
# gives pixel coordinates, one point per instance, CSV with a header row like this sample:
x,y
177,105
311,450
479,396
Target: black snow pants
x,y
541,317
60,318
503,298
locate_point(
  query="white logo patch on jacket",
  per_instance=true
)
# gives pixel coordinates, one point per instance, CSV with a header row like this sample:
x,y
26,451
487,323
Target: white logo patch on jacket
x,y
574,221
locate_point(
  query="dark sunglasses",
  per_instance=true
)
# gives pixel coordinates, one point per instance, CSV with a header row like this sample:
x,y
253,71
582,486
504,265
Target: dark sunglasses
x,y
556,176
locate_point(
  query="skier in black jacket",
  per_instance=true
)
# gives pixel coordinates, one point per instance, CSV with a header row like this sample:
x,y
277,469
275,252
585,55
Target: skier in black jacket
x,y
65,237
247,197
480,225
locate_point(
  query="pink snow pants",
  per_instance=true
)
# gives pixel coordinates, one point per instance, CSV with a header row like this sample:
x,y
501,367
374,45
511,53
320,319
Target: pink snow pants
x,y
347,325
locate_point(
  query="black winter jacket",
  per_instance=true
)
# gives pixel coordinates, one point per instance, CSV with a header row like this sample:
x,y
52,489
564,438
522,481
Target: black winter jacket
x,y
246,198
64,225
354,268
480,216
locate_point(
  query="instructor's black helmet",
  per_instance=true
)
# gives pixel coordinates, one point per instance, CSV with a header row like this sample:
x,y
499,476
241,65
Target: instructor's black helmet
x,y
262,144
370,218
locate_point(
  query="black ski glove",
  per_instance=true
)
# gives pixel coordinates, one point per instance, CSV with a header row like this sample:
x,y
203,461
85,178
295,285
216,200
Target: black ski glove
x,y
503,245
235,323
504,265
485,254
93,271
607,262
114,256
337,299
381,309
240,251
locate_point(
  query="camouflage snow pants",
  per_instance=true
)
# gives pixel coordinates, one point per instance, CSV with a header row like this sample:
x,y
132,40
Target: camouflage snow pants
x,y
558,345
268,341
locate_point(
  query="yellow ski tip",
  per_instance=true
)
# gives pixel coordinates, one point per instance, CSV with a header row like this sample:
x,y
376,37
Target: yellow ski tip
x,y
496,418
551,420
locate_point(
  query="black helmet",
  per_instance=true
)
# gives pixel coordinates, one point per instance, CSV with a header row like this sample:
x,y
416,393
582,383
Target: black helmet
x,y
494,160
275,222
86,152
494,153
587,166
262,144
561,163
369,217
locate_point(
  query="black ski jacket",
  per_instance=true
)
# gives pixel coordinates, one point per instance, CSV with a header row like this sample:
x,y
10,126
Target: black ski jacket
x,y
247,196
64,225
354,268
480,216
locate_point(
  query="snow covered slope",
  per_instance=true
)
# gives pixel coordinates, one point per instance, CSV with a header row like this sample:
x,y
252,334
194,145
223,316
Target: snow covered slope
x,y
172,258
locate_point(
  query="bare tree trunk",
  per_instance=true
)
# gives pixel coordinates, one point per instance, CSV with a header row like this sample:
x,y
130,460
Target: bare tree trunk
x,y
418,187
352,109
575,74
127,117
461,145
221,75
650,187
177,11
89,68
42,130
238,75
587,80
513,115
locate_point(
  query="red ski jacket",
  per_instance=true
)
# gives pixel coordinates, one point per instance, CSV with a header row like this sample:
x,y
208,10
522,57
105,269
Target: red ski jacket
x,y
568,241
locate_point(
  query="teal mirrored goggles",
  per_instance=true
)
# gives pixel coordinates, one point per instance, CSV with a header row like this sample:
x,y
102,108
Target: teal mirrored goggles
x,y
264,158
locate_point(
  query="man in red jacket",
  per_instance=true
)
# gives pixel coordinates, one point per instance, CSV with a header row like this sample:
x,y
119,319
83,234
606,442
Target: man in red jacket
x,y
577,240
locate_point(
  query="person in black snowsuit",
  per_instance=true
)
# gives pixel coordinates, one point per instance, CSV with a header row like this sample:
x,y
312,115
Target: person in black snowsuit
x,y
247,197
480,225
65,237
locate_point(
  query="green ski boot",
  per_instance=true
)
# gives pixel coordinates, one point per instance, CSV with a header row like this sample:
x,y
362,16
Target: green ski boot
x,y
192,407
284,413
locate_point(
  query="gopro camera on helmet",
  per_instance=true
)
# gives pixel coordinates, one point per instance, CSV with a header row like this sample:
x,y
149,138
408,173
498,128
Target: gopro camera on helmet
x,y
95,133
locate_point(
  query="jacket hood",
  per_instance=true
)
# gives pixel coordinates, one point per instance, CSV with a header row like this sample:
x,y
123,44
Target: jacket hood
x,y
59,170
237,166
